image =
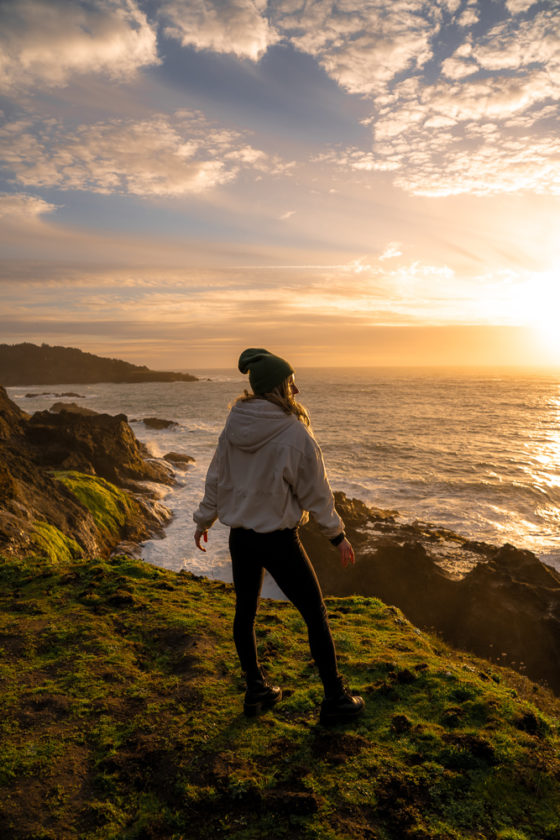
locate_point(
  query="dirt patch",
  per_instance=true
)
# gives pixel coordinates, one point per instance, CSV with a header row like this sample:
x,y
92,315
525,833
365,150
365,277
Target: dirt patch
x,y
336,747
43,708
51,799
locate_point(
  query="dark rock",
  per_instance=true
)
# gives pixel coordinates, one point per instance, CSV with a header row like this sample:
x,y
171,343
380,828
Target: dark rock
x,y
12,418
28,492
99,445
128,549
158,423
478,547
73,408
55,394
178,458
507,604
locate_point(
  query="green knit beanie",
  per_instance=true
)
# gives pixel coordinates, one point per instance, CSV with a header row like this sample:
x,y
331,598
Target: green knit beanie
x,y
266,370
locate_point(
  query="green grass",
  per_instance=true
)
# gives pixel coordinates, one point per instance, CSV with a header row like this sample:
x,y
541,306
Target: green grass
x,y
120,717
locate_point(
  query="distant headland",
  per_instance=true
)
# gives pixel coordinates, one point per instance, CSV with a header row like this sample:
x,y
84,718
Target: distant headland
x,y
30,364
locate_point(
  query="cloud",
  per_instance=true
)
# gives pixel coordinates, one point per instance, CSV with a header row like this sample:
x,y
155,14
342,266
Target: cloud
x,y
484,126
322,306
44,42
518,6
159,156
480,160
469,17
361,45
21,206
514,47
459,132
457,67
238,27
407,292
392,250
442,123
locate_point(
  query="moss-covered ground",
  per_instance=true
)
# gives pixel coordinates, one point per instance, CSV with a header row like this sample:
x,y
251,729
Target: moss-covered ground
x,y
120,717
110,506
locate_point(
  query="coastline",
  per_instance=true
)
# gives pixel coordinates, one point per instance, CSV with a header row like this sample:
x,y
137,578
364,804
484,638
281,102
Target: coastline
x,y
77,483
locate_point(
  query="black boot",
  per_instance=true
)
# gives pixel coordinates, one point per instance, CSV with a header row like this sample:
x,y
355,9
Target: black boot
x,y
260,695
340,705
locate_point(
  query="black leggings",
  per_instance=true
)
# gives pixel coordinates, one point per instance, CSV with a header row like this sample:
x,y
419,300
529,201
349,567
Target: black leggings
x,y
282,554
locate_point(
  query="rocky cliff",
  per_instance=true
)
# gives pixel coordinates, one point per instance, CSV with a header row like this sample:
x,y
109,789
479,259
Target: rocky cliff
x,y
500,603
61,480
29,364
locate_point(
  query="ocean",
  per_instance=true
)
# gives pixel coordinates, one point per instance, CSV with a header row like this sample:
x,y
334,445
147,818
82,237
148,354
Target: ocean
x,y
477,452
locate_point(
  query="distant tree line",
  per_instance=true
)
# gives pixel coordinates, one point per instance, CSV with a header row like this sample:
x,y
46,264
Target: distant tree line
x,y
29,364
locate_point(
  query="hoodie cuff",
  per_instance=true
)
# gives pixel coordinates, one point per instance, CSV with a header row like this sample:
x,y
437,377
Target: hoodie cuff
x,y
338,539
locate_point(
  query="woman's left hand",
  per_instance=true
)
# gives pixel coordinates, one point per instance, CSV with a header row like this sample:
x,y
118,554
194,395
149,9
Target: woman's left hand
x,y
346,553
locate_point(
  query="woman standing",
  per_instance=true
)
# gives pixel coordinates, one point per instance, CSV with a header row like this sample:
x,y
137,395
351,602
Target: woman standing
x,y
266,475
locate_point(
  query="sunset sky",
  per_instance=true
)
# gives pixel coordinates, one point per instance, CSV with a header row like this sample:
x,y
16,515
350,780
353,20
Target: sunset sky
x,y
353,182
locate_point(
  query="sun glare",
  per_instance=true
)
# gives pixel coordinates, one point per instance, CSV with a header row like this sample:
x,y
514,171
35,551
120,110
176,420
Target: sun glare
x,y
538,306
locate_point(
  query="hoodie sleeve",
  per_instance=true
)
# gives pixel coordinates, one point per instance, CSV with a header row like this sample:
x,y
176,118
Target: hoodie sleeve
x,y
313,491
207,511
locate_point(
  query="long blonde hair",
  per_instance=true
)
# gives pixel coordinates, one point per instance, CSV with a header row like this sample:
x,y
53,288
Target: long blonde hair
x,y
282,397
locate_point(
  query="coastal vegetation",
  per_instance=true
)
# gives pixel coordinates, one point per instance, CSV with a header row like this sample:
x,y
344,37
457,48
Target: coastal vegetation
x,y
31,364
110,506
121,700
121,718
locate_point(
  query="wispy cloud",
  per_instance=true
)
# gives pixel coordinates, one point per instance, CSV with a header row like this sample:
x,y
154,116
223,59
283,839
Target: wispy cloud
x,y
22,206
45,42
392,251
408,292
161,156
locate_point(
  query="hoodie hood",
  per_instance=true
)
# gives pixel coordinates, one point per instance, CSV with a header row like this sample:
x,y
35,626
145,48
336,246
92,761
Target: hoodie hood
x,y
255,423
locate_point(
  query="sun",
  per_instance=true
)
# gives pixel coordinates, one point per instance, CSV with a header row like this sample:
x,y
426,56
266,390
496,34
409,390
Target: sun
x,y
539,309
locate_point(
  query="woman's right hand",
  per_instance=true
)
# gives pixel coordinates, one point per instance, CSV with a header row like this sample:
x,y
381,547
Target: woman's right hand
x,y
346,553
198,535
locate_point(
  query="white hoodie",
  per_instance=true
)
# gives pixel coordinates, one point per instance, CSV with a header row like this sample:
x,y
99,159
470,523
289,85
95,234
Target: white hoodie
x,y
267,473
